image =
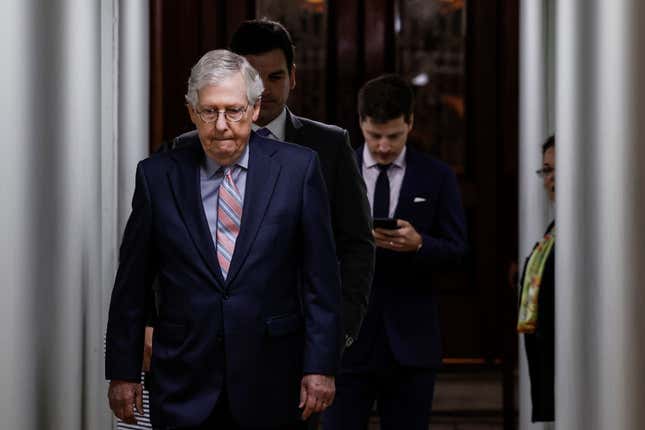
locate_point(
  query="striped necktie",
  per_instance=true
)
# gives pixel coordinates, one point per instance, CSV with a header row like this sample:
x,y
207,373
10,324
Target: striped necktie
x,y
229,215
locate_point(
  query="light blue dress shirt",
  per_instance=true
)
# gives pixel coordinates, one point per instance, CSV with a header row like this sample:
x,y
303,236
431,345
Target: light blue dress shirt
x,y
277,127
211,176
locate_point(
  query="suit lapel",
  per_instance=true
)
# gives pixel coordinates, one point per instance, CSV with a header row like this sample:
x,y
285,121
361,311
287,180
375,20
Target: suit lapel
x,y
186,188
261,178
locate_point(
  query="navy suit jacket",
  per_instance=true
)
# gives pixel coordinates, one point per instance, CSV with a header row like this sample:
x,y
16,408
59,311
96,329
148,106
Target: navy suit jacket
x,y
276,316
350,212
403,312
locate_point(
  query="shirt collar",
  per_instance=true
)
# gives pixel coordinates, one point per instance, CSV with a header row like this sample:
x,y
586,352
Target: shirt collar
x,y
277,126
369,162
211,166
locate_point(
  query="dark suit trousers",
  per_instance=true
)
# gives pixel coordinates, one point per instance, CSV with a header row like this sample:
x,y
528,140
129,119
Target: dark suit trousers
x,y
221,419
403,397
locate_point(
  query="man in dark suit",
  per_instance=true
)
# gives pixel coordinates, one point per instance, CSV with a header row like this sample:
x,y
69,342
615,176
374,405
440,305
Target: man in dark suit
x,y
269,48
236,228
395,358
267,45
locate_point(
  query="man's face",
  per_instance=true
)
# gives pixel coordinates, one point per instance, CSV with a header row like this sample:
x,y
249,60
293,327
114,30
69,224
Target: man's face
x,y
385,141
272,67
223,140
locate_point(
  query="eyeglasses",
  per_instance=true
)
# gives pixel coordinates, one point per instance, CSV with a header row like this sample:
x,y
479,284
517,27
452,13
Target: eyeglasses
x,y
545,171
230,114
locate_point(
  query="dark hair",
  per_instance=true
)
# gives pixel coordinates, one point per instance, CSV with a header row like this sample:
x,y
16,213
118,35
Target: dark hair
x,y
549,143
259,36
386,98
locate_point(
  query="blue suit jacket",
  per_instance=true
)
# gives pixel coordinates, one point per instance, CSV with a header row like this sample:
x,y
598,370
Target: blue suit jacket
x,y
350,214
402,316
276,316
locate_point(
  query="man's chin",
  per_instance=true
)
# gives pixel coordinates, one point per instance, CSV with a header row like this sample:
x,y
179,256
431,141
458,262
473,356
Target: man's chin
x,y
266,116
223,155
220,145
220,141
384,160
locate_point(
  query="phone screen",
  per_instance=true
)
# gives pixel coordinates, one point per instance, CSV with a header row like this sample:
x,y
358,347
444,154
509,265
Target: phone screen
x,y
385,223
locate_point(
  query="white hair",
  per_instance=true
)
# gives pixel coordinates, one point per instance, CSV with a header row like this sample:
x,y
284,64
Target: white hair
x,y
219,65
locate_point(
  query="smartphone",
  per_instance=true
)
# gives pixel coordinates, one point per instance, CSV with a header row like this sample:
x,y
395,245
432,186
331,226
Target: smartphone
x,y
385,223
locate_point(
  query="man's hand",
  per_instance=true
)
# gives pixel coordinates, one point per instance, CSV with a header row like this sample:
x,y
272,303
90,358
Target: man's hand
x,y
316,394
147,349
403,239
124,396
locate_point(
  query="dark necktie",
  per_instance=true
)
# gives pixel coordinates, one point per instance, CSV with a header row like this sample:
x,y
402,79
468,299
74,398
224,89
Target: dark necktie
x,y
264,132
382,193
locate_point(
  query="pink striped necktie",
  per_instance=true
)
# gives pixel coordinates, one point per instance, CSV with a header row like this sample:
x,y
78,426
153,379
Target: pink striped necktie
x,y
229,215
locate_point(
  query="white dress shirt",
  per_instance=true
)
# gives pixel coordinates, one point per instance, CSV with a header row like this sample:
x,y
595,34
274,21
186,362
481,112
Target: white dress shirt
x,y
276,127
395,175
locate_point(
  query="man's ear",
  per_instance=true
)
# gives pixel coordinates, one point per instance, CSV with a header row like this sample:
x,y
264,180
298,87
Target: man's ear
x,y
361,121
256,110
411,123
192,113
292,77
361,125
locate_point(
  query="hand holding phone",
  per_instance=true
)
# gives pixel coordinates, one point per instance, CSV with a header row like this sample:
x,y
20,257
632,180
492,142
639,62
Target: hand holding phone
x,y
386,223
396,235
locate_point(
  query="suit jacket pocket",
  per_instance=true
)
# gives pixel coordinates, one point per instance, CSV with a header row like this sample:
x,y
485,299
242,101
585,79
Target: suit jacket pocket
x,y
283,325
420,212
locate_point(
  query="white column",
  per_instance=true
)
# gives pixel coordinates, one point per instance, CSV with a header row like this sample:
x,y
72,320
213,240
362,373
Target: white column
x,y
535,126
59,191
134,85
16,378
600,357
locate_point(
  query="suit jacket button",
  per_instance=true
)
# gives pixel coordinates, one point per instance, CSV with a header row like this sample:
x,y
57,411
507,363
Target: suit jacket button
x,y
226,296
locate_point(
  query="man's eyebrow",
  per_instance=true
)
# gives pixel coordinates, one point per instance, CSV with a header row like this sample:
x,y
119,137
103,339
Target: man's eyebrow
x,y
211,107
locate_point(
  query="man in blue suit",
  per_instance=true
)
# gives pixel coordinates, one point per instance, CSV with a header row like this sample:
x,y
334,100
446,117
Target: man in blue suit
x,y
236,228
398,350
268,47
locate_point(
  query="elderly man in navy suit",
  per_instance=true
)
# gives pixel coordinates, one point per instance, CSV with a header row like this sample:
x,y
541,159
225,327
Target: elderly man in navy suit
x,y
395,358
236,228
268,46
